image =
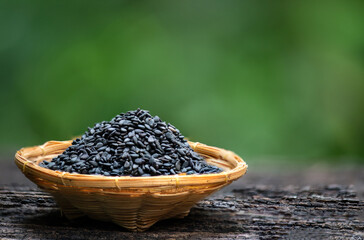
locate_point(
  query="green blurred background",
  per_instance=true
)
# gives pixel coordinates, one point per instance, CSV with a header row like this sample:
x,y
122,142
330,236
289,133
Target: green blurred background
x,y
275,80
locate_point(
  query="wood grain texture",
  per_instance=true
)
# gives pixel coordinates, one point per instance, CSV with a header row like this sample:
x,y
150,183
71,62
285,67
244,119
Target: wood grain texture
x,y
248,212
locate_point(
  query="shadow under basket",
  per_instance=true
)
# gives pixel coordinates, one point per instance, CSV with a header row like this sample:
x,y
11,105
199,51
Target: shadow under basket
x,y
135,203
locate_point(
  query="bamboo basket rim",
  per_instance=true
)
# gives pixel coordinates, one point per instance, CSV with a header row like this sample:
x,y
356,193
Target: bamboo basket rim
x,y
30,166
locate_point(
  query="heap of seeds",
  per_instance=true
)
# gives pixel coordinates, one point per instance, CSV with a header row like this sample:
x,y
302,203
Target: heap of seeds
x,y
131,144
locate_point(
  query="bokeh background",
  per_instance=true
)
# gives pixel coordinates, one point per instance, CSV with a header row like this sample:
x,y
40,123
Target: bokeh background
x,y
280,81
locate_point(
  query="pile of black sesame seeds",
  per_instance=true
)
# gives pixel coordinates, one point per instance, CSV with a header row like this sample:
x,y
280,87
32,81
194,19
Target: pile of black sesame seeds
x,y
131,144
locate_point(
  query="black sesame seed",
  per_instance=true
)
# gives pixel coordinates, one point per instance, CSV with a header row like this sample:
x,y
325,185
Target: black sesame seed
x,y
138,161
134,155
168,165
126,164
152,169
156,131
94,163
169,135
181,152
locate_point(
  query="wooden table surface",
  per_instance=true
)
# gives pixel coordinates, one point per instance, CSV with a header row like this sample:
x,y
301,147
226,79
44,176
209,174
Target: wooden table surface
x,y
313,203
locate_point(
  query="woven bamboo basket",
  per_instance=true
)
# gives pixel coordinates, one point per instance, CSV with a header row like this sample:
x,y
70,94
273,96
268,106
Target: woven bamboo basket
x,y
135,203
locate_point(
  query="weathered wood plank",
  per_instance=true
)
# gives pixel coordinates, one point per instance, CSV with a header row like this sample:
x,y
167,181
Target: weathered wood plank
x,y
248,212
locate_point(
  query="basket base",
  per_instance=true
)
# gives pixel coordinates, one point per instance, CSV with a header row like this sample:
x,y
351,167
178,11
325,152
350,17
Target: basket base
x,y
134,224
72,213
67,209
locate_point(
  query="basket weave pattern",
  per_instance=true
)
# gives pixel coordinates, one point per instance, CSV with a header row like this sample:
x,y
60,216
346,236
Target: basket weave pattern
x,y
135,203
